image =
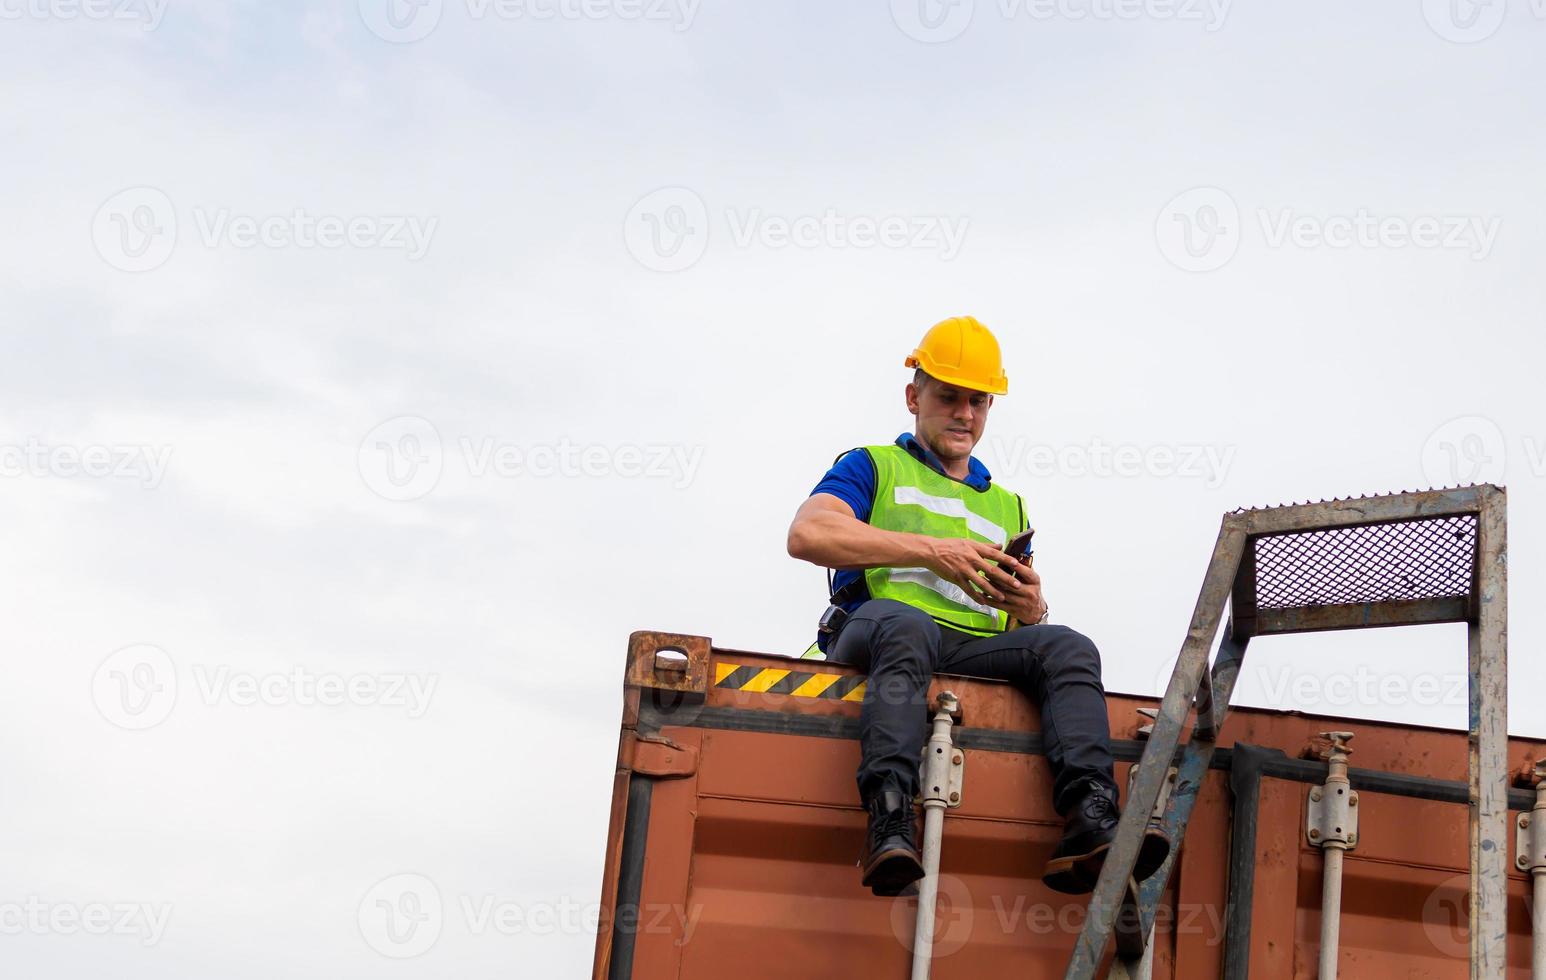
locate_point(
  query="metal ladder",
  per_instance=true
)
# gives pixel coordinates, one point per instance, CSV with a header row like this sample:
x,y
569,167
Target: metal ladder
x,y
1435,556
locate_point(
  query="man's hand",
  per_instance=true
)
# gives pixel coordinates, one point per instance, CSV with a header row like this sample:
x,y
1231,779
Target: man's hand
x,y
1023,601
974,566
825,532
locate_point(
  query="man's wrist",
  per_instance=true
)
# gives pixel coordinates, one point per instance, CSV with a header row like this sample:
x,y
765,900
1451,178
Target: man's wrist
x,y
916,548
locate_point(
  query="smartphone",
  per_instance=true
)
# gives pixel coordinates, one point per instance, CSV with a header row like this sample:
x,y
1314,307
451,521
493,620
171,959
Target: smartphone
x,y
1019,546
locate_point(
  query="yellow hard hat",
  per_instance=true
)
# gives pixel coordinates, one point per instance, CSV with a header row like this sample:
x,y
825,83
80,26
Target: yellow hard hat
x,y
963,352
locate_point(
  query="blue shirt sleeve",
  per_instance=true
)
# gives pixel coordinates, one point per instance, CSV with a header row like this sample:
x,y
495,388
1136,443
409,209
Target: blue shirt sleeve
x,y
851,480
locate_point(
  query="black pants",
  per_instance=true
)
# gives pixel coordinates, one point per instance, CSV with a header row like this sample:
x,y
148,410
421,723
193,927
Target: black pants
x,y
901,647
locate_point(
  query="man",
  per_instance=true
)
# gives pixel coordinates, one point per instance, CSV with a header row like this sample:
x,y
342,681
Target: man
x,y
914,532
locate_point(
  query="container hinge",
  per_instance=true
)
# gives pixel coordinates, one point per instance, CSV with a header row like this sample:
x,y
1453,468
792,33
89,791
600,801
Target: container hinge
x,y
662,758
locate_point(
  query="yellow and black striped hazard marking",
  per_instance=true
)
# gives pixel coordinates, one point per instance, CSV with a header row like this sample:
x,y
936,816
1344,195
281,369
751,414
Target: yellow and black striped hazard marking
x,y
795,683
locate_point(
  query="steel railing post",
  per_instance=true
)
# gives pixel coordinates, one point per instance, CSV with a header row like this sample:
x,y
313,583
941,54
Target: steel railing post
x,y
1487,646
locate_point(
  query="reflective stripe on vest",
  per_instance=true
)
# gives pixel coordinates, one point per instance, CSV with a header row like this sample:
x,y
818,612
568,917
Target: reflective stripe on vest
x,y
911,496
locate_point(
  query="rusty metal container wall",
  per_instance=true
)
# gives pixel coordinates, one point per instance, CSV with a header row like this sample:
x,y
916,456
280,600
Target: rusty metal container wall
x,y
746,866
1405,885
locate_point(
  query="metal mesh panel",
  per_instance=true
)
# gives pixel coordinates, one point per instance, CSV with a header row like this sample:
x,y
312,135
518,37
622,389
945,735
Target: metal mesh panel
x,y
1425,559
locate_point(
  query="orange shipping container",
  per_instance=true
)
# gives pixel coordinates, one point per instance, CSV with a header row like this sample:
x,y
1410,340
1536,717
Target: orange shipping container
x,y
735,830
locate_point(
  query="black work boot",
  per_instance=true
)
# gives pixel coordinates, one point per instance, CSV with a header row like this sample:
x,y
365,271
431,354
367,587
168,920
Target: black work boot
x,y
1075,865
891,861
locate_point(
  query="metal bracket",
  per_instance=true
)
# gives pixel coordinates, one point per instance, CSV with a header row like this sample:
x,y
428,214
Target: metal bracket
x,y
1530,829
1331,818
1530,841
954,782
1143,731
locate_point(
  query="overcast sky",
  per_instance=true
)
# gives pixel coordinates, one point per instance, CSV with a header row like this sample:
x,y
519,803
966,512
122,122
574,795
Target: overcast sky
x,y
368,374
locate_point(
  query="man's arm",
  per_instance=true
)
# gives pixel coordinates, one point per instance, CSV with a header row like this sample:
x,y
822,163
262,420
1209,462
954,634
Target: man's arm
x,y
826,532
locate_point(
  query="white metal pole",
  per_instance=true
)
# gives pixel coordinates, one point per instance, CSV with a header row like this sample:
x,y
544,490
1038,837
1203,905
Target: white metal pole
x,y
936,791
1538,926
1331,911
1333,819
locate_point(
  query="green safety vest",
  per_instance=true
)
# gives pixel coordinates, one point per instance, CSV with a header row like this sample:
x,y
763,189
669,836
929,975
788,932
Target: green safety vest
x,y
912,496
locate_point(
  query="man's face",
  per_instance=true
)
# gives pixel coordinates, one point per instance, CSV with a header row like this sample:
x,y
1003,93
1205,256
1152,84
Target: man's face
x,y
950,419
